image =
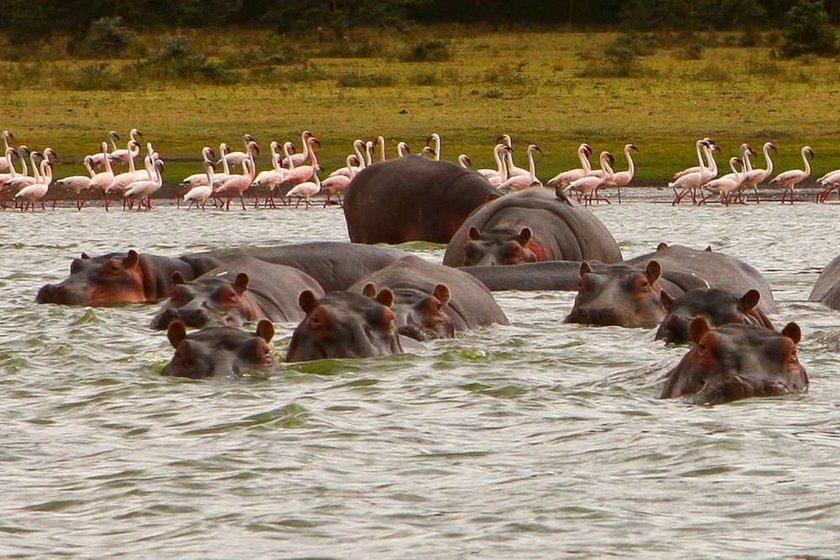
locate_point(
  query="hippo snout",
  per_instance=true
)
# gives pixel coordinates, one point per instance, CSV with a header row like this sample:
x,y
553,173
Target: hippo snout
x,y
674,329
57,293
591,316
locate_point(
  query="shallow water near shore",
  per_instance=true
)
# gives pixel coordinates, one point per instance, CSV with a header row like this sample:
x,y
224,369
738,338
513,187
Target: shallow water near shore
x,y
534,440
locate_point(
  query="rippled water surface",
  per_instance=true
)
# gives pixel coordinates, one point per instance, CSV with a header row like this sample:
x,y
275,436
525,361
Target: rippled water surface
x,y
534,440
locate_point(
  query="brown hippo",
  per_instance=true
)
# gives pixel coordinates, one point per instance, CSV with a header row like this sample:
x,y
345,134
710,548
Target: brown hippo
x,y
412,199
431,300
827,287
529,226
734,362
718,307
219,351
345,325
239,292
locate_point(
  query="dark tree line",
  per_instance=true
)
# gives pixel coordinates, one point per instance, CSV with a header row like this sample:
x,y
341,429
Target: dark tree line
x,y
33,18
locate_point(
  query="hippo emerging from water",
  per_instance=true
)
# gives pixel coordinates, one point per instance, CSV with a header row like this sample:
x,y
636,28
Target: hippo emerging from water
x,y
530,226
345,325
734,362
412,199
827,287
431,300
220,351
239,292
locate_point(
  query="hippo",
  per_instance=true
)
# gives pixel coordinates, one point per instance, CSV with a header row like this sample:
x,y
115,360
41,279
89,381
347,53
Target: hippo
x,y
345,324
334,265
718,307
412,199
219,351
717,269
122,278
431,300
620,296
133,277
827,287
530,226
239,292
734,362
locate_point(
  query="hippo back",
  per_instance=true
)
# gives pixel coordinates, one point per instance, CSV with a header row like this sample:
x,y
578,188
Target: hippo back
x,y
412,199
827,287
563,228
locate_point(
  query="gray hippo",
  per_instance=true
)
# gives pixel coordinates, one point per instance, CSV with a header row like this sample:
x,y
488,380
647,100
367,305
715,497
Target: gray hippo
x,y
827,287
345,325
220,351
412,199
734,362
530,226
431,300
238,292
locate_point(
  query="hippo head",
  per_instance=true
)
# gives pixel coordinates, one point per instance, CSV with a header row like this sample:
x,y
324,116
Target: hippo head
x,y
219,351
498,247
113,278
622,297
207,302
418,315
734,362
345,325
718,307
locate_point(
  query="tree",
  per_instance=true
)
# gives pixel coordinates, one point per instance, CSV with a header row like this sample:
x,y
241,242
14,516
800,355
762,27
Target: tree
x,y
808,30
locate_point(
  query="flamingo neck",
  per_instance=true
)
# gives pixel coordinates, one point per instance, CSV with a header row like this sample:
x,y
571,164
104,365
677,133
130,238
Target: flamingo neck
x,y
807,163
306,149
436,138
357,149
10,159
700,146
497,155
631,166
532,167
37,174
223,151
381,141
584,161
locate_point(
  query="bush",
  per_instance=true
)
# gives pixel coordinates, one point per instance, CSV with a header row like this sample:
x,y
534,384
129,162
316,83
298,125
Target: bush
x,y
98,76
354,79
108,36
505,74
430,50
808,30
175,60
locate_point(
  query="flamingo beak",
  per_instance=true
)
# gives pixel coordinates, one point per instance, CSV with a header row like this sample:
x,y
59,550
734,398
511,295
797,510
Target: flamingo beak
x,y
633,147
537,148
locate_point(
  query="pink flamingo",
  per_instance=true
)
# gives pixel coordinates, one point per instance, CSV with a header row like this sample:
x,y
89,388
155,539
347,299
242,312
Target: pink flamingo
x,y
690,182
199,194
102,181
622,178
298,159
495,174
829,182
521,182
695,168
587,187
100,158
513,170
305,191
123,154
754,177
270,178
563,178
726,185
5,161
78,183
298,175
37,191
236,158
350,170
145,188
238,184
337,184
795,176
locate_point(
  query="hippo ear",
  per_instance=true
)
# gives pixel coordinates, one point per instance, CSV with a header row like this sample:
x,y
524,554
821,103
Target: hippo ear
x,y
653,271
661,246
85,256
306,300
176,279
442,293
385,297
667,300
265,330
708,248
132,259
749,300
585,268
176,332
524,236
698,327
241,283
369,290
793,332
473,233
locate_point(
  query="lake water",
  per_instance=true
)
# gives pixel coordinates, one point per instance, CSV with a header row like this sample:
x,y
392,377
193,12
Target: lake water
x,y
534,440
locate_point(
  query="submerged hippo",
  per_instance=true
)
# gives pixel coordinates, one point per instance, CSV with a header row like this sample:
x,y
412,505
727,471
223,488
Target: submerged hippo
x,y
345,325
122,278
827,287
619,296
530,226
239,292
718,307
431,300
412,199
219,351
734,362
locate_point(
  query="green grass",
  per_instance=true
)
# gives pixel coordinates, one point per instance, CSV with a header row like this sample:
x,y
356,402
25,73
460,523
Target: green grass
x,y
530,85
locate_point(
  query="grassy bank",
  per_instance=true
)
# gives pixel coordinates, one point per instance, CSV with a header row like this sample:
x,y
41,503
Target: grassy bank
x,y
556,89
